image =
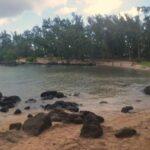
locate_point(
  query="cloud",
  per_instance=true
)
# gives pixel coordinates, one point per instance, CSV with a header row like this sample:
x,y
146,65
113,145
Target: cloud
x,y
66,10
6,21
92,7
40,5
133,12
11,8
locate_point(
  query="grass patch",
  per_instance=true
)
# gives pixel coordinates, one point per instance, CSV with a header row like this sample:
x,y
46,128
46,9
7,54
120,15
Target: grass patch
x,y
145,63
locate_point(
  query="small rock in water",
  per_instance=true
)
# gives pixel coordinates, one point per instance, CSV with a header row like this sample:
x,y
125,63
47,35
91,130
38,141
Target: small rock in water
x,y
147,90
17,112
125,133
103,102
76,94
127,109
15,126
138,101
49,95
27,108
30,101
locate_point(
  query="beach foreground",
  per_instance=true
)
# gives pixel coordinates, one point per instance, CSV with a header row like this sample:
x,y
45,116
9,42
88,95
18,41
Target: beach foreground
x,y
66,136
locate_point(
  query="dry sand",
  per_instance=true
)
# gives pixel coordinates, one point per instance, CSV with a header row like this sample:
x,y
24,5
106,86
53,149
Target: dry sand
x,y
66,136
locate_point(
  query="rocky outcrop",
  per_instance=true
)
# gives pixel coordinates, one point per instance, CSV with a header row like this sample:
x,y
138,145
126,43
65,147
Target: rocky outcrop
x,y
59,115
125,133
91,131
48,95
91,125
127,109
147,90
73,107
90,117
15,126
37,124
9,101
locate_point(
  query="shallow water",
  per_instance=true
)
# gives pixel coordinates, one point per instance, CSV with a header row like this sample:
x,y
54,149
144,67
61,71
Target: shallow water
x,y
106,83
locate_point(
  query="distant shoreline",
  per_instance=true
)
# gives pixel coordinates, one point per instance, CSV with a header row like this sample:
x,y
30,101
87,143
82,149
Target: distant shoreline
x,y
110,63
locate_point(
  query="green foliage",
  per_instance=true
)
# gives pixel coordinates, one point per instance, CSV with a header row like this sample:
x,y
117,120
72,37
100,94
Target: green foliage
x,y
31,59
106,37
145,63
9,56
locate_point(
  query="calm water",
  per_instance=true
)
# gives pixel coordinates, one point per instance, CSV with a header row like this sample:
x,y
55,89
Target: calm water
x,y
28,81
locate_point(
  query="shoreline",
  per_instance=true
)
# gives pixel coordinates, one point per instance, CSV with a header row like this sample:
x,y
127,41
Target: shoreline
x,y
108,63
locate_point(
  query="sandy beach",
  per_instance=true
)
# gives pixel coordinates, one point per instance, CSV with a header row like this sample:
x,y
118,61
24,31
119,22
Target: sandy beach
x,y
66,136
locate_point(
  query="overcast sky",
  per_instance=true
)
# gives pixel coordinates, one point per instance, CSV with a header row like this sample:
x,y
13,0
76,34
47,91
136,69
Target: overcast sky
x,y
19,15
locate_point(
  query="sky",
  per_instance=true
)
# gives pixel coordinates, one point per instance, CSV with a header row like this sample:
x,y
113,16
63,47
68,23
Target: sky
x,y
20,15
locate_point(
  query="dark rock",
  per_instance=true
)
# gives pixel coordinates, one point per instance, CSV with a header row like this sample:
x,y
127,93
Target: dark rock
x,y
74,107
48,107
103,102
1,95
91,131
91,118
59,115
30,116
9,101
52,94
125,133
15,126
76,94
37,124
138,101
127,109
48,95
4,109
27,108
17,112
60,95
147,90
30,101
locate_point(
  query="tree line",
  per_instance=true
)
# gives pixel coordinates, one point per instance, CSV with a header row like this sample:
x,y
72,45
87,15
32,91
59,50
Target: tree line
x,y
97,37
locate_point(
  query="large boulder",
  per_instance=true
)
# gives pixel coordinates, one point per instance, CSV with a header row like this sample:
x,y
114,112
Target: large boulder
x,y
90,117
37,124
147,90
51,94
73,107
15,126
125,133
91,131
59,115
9,101
127,109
